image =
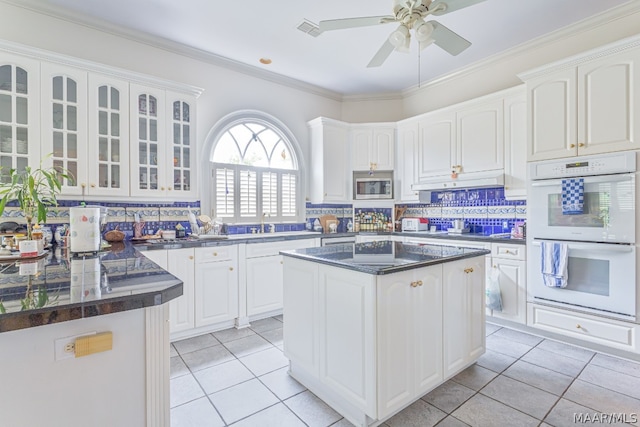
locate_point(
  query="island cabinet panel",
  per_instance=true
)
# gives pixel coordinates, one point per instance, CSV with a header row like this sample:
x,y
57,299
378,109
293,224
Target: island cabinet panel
x,y
347,335
301,330
409,326
463,319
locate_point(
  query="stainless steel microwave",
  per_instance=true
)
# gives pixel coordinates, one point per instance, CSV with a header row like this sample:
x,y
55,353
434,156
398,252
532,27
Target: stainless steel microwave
x,y
373,187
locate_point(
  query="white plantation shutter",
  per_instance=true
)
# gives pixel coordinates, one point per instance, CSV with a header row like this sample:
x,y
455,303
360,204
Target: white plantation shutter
x,y
248,194
225,191
288,195
270,193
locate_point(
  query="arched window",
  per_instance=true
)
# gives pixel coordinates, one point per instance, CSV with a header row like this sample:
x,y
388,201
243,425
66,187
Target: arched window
x,y
256,173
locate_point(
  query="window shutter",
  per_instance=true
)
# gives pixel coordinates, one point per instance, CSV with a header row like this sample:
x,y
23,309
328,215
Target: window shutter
x,y
224,192
248,194
270,193
288,195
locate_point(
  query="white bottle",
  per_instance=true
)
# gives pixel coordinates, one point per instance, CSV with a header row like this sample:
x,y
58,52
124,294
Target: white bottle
x,y
350,226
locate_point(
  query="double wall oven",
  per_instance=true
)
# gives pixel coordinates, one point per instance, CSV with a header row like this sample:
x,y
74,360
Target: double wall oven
x,y
600,237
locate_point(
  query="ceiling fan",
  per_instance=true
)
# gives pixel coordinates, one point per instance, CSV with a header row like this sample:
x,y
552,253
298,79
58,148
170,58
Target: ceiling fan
x,y
410,15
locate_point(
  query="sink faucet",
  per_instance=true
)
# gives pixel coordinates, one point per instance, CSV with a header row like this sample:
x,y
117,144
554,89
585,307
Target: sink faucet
x,y
262,222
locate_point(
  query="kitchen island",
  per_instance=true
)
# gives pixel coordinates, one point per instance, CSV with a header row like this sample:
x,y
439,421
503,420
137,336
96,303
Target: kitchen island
x,y
49,301
372,327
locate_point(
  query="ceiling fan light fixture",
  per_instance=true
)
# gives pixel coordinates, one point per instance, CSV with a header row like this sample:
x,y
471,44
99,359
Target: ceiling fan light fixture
x,y
399,37
422,30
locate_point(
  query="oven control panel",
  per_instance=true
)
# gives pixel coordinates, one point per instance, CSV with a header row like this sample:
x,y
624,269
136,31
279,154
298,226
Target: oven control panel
x,y
584,166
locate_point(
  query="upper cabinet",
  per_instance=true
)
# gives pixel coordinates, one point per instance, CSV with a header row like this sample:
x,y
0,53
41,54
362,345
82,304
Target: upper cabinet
x,y
113,138
515,144
436,144
406,172
330,172
480,136
372,147
19,113
586,104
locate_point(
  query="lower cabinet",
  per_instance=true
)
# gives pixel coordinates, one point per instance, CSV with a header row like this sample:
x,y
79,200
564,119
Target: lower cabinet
x,y
510,261
216,285
409,324
464,316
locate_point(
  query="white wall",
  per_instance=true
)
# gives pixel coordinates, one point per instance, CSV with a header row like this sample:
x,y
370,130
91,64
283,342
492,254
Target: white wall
x,y
225,90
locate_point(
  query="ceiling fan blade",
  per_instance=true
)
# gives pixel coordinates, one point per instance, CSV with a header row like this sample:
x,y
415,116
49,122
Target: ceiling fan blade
x,y
451,5
447,39
339,24
382,54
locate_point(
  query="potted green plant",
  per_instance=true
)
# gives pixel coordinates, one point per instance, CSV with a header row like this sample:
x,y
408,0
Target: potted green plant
x,y
35,190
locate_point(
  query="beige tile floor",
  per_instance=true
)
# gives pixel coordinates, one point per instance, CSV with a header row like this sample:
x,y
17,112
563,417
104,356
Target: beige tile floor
x,y
239,378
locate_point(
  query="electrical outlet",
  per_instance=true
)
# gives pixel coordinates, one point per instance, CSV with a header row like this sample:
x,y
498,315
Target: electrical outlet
x,y
505,225
65,347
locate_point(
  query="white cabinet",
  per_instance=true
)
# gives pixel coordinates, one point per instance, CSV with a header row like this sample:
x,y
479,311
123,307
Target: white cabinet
x,y
510,261
372,147
479,136
463,319
409,324
216,285
181,146
263,272
584,106
407,156
515,145
64,122
436,144
330,168
180,263
19,113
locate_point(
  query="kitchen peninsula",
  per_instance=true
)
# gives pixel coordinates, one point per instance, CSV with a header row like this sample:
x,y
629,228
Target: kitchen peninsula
x,y
371,327
48,302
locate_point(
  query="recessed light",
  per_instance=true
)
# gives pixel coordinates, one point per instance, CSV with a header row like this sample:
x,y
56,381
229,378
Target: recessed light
x,y
265,61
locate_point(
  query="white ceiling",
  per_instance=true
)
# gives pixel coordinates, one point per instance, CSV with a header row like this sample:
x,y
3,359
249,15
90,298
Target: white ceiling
x,y
247,30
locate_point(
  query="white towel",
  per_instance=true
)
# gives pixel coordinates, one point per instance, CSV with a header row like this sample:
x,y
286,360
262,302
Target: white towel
x,y
573,196
554,264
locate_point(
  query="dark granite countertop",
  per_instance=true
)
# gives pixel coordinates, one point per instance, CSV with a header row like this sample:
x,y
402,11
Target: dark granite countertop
x,y
58,288
384,256
477,237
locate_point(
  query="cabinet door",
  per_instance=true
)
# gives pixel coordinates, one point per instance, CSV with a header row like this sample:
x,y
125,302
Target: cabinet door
x,y
383,148
64,123
406,175
264,284
330,172
551,118
512,280
180,263
108,137
216,292
464,313
361,149
436,145
148,142
19,114
181,153
608,102
515,146
480,137
409,336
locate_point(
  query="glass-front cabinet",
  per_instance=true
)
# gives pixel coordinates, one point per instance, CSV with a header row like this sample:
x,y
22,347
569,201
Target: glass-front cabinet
x,y
108,142
64,123
19,114
181,128
148,142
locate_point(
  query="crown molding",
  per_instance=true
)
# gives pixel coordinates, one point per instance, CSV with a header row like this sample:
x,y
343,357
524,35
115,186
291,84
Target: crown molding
x,y
172,47
587,24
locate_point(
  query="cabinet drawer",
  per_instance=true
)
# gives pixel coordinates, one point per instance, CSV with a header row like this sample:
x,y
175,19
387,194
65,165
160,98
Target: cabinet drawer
x,y
255,250
501,250
217,253
589,328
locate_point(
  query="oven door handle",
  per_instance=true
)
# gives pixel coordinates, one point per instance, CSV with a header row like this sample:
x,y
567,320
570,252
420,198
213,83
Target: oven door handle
x,y
593,247
587,180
